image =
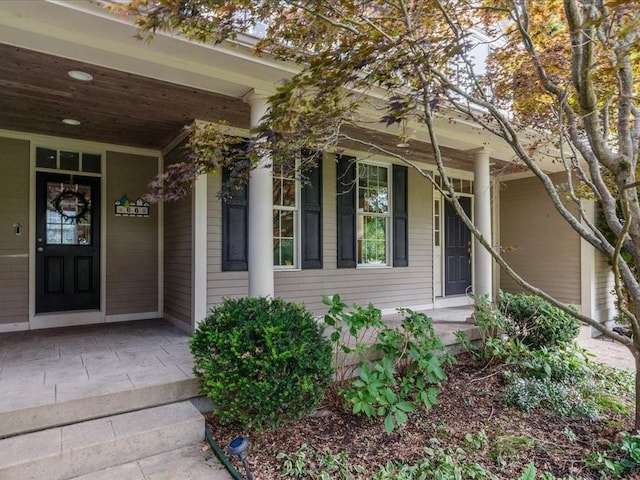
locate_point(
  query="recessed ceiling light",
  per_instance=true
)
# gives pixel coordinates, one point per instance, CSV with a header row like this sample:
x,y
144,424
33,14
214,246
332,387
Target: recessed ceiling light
x,y
80,75
70,121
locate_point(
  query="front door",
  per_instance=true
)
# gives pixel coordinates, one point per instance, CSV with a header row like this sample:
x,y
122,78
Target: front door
x,y
457,241
67,242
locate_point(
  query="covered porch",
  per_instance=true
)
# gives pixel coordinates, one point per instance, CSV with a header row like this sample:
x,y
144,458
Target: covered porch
x,y
129,111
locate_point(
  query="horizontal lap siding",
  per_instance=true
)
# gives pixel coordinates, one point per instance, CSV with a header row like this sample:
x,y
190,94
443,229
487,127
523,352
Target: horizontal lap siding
x,y
540,245
14,249
604,285
385,287
178,254
132,242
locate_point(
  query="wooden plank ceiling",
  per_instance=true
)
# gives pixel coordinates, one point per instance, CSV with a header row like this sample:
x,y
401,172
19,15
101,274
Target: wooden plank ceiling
x,y
115,107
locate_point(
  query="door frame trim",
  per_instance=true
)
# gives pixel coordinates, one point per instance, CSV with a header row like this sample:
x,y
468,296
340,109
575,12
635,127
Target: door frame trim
x,y
78,317
73,317
459,299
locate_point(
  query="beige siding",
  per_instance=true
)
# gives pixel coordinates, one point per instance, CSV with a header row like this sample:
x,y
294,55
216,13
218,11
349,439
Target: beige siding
x,y
604,285
14,249
541,246
385,287
178,254
132,242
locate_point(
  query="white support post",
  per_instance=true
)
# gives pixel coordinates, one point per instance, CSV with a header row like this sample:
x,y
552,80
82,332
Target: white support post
x,y
482,277
199,279
260,254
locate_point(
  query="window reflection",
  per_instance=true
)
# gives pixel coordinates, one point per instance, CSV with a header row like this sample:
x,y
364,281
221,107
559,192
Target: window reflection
x,y
68,222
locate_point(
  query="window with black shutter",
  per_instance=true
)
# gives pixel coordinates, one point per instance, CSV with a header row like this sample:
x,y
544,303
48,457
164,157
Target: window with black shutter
x,y
346,201
235,223
235,226
311,216
400,217
364,215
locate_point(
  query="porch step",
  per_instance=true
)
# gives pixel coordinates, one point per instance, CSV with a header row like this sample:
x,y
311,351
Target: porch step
x,y
63,453
86,400
186,463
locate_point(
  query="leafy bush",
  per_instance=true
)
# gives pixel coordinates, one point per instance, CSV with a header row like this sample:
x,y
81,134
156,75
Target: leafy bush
x,y
535,322
406,367
262,362
543,367
567,364
494,344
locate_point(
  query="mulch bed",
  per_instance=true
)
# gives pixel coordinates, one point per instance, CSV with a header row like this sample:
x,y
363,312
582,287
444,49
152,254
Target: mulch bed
x,y
470,402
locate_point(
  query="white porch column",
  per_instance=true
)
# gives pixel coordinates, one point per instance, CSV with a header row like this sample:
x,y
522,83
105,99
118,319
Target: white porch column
x,y
199,255
482,276
260,254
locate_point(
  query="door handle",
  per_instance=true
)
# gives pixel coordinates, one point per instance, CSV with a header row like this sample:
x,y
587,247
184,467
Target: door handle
x,y
40,249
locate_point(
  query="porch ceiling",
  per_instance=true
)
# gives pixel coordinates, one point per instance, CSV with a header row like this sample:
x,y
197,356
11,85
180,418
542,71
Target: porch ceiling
x,y
115,107
127,109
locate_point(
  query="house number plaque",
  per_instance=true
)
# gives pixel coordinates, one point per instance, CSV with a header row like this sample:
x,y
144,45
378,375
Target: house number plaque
x,y
131,208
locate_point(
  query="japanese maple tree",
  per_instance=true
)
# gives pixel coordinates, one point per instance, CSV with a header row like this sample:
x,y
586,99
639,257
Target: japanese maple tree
x,y
562,74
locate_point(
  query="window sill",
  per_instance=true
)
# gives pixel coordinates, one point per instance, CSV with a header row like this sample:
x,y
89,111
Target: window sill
x,y
368,266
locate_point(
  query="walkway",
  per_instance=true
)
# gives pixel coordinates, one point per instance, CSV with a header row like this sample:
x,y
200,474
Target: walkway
x,y
607,351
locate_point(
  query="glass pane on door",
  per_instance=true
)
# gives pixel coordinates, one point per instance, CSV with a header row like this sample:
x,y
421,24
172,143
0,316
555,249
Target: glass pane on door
x,y
68,214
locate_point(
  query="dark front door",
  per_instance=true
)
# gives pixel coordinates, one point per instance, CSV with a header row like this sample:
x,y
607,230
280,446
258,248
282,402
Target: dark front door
x,y
67,242
457,240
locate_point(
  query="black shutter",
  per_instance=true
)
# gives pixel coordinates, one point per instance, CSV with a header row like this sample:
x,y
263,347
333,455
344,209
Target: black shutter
x,y
346,191
311,215
400,217
235,223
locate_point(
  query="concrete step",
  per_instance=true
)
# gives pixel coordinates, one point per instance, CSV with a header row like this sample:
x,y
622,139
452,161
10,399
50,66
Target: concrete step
x,y
187,463
62,453
76,400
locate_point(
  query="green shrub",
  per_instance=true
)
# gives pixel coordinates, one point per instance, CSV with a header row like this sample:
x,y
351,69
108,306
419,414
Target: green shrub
x,y
567,364
407,363
262,362
535,322
494,344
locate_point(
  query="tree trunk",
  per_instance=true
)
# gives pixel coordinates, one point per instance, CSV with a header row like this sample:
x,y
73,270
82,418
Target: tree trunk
x,y
636,418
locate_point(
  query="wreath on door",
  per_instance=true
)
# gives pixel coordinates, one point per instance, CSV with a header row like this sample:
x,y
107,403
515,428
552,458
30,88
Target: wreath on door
x,y
83,206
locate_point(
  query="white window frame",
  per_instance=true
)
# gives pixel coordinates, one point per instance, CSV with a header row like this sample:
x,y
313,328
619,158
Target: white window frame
x,y
360,215
296,221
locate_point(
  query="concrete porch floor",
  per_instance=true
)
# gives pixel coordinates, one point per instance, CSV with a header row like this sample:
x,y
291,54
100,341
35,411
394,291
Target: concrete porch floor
x,y
57,368
62,363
